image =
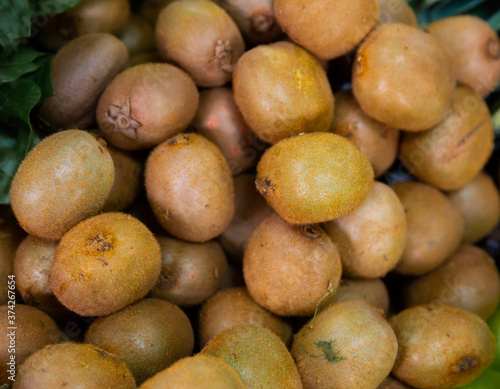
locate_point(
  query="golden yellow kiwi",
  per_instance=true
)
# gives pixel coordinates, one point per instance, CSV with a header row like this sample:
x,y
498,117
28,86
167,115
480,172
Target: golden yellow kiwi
x,y
138,35
396,11
373,291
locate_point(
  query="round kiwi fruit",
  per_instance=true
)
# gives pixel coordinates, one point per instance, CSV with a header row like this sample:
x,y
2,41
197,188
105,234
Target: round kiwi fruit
x,y
283,260
138,35
303,102
378,141
328,29
62,181
190,187
435,227
392,383
468,280
403,77
73,365
348,345
145,105
373,291
104,264
147,336
314,178
451,154
191,272
441,346
372,238
259,356
396,11
200,37
475,48
230,307
97,57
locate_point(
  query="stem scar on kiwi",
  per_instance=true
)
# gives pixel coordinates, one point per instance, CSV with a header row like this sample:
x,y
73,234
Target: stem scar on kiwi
x,y
223,55
121,118
265,187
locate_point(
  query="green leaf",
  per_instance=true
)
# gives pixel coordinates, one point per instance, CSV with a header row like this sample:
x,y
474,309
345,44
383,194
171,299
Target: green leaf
x,y
494,21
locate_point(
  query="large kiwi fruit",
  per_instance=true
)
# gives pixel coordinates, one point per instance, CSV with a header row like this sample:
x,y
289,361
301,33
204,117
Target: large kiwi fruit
x,y
314,178
403,77
373,291
62,181
348,345
200,37
104,264
396,11
96,57
145,105
138,36
190,187
441,346
302,103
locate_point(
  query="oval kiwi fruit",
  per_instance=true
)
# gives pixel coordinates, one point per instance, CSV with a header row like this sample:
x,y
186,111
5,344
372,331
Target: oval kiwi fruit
x,y
373,291
396,11
145,105
104,264
62,181
190,188
200,37
302,103
138,35
314,178
403,77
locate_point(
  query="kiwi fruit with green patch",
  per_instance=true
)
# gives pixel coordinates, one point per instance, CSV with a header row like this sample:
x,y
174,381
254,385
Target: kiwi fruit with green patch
x,y
435,228
303,102
73,365
451,154
81,70
328,29
396,11
147,336
403,77
104,264
200,37
138,35
373,291
190,273
145,105
314,178
230,307
372,238
62,181
283,260
392,383
259,356
350,344
441,346
190,187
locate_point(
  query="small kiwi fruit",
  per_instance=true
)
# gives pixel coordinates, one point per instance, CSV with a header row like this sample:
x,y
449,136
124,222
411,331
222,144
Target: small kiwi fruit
x,y
62,181
396,11
138,35
373,291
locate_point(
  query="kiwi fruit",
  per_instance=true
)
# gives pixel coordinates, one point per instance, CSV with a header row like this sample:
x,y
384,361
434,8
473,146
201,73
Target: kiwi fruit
x,y
328,29
451,154
348,345
475,48
62,181
138,35
230,307
373,291
191,272
435,228
190,187
413,95
392,383
378,141
372,238
200,37
97,57
441,346
259,356
303,102
165,336
145,105
200,372
479,203
396,11
104,264
73,365
468,280
33,330
314,178
283,260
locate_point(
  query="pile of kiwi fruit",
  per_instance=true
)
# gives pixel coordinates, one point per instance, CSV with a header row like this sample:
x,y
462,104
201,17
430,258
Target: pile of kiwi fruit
x,y
212,206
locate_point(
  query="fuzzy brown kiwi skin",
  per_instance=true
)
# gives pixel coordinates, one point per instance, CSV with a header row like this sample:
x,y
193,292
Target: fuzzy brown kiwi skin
x,y
372,291
98,57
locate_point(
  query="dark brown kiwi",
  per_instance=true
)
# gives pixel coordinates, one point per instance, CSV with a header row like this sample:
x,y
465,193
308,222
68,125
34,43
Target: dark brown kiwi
x,y
396,11
373,291
138,35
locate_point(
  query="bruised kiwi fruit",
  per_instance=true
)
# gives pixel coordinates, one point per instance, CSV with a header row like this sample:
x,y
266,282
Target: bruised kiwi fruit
x,y
145,105
104,264
200,37
62,181
302,103
138,35
373,291
96,57
396,11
